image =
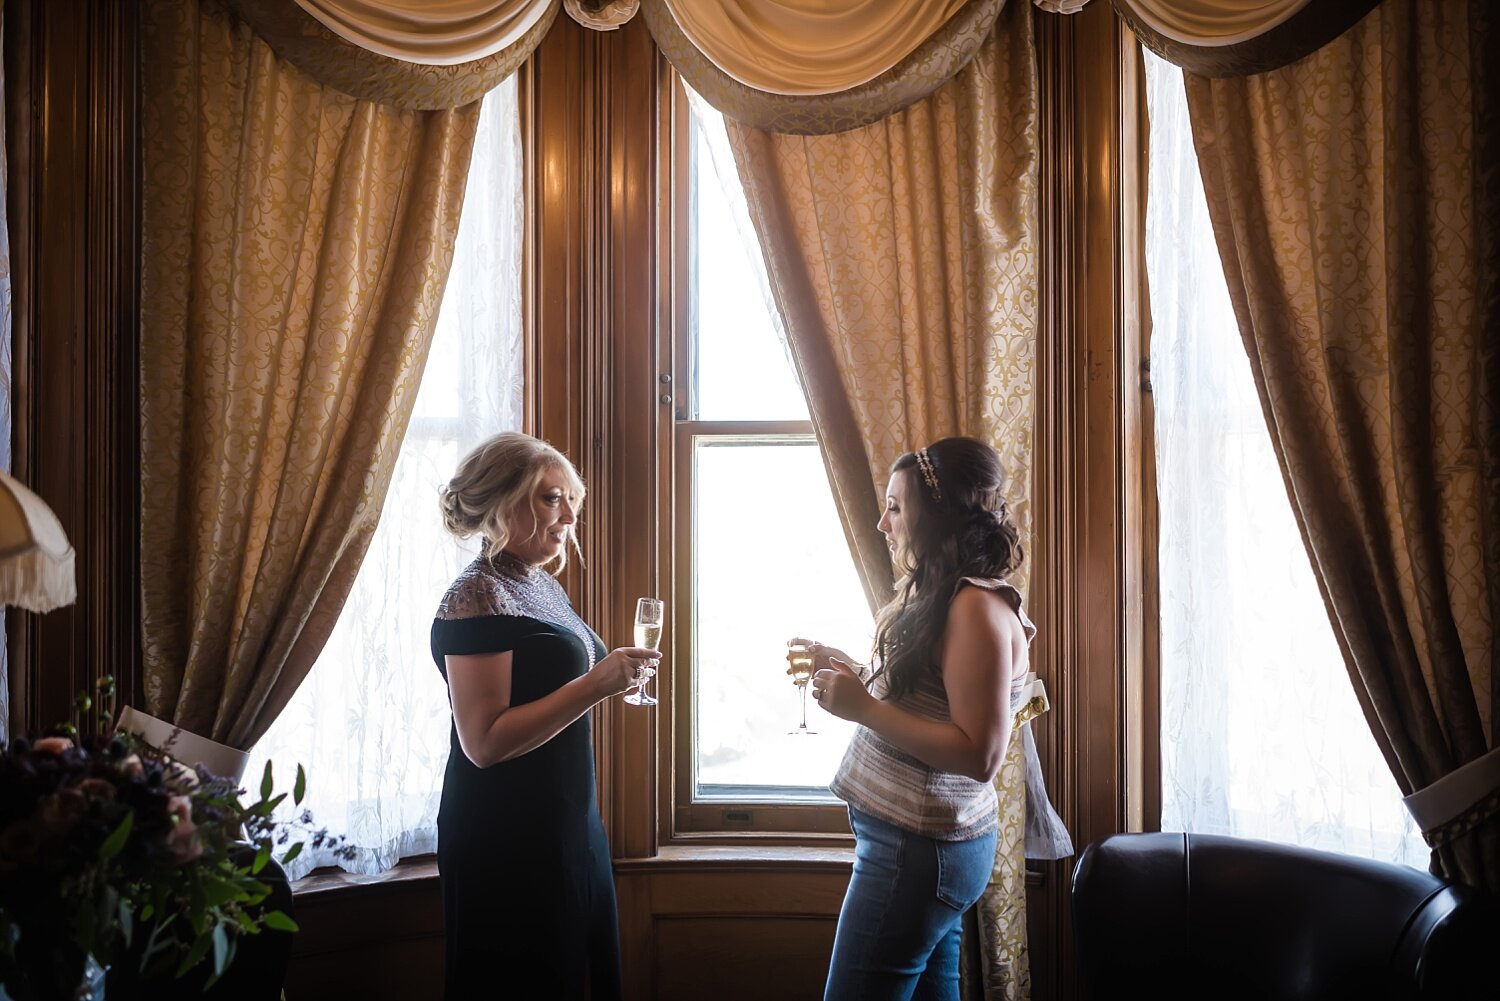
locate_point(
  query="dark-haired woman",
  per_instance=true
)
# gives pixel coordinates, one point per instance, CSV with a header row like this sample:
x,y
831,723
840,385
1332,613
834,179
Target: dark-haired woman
x,y
935,717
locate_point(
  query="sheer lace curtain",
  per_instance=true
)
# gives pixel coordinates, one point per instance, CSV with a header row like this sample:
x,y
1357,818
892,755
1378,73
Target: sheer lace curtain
x,y
1262,736
711,149
370,723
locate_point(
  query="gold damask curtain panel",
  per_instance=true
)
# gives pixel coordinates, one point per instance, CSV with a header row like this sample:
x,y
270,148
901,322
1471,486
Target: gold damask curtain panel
x,y
295,246
903,260
1354,201
814,67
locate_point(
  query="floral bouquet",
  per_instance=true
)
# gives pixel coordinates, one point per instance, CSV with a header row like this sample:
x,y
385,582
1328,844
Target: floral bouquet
x,y
112,852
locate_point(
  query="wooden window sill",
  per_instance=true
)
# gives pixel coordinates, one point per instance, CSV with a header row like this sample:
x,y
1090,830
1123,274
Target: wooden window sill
x,y
326,883
334,882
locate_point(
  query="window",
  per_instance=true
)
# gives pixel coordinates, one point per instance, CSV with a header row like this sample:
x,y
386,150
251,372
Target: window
x,y
371,719
761,555
1261,733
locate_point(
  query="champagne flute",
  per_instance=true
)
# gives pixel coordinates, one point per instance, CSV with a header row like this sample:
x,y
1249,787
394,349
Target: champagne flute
x,y
799,658
648,619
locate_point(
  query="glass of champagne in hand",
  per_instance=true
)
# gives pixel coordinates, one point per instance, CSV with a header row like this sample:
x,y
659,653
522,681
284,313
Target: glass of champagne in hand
x,y
799,657
648,619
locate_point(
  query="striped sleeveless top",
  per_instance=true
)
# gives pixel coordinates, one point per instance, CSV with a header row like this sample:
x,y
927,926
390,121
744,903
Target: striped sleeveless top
x,y
882,780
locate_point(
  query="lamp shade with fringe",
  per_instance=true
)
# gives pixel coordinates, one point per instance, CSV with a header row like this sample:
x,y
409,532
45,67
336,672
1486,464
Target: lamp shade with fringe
x,y
36,560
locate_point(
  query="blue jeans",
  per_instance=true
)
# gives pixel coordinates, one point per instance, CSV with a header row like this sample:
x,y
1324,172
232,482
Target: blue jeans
x,y
899,927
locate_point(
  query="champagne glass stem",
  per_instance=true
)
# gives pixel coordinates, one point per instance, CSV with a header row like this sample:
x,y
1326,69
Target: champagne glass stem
x,y
804,707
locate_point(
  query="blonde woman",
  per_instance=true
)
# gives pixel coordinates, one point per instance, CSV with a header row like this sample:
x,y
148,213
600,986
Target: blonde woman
x,y
528,890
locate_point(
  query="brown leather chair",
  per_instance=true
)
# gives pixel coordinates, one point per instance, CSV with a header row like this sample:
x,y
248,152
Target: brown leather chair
x,y
1174,916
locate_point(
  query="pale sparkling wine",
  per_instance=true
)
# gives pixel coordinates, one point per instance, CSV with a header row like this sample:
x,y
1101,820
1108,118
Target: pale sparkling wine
x,y
648,634
801,660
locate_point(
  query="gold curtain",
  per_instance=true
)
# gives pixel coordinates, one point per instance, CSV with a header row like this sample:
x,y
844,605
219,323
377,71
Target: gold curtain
x,y
295,245
1353,196
903,260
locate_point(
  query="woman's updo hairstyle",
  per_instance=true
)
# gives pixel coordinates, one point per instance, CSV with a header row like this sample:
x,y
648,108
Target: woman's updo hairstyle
x,y
958,525
494,479
963,521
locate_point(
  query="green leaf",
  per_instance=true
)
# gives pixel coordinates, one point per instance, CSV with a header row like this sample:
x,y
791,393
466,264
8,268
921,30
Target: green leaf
x,y
221,950
299,788
220,891
195,954
292,853
279,921
265,783
262,856
115,843
127,922
265,807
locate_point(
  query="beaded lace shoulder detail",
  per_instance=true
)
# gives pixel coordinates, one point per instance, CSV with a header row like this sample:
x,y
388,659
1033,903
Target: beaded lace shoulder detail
x,y
479,590
506,586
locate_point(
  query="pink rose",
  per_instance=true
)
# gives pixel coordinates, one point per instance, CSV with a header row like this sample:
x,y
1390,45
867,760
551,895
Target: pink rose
x,y
53,745
131,766
182,840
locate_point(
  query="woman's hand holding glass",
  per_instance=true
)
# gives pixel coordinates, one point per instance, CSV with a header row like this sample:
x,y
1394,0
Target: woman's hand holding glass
x,y
839,690
822,654
623,668
835,683
649,616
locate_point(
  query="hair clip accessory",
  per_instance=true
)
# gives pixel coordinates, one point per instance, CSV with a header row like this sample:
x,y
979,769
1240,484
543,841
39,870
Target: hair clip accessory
x,y
929,473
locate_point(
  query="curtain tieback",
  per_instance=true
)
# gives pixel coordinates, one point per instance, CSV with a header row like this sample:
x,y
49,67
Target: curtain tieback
x,y
1029,699
1458,802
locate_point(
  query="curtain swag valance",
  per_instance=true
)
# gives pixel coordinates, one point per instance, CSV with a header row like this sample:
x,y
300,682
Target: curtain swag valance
x,y
956,30
431,73
434,34
1229,38
803,67
808,47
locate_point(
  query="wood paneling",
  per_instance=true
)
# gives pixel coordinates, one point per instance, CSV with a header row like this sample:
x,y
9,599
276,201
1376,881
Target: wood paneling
x,y
379,939
741,958
730,923
1087,583
71,89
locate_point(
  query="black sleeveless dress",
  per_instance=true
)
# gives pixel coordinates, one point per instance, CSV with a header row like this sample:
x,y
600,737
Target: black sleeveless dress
x,y
528,887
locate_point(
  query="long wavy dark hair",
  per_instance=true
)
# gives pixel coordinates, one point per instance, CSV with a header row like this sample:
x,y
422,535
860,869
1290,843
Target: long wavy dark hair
x,y
958,526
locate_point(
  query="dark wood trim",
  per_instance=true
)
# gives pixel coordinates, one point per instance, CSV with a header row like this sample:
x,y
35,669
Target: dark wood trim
x,y
1089,579
1053,476
592,283
631,424
72,82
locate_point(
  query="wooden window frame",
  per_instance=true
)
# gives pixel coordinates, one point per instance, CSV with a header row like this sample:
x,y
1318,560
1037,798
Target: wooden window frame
x,y
683,818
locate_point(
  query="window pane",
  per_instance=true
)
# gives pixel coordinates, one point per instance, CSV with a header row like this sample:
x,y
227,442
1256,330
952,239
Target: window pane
x,y
740,362
770,563
1262,735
